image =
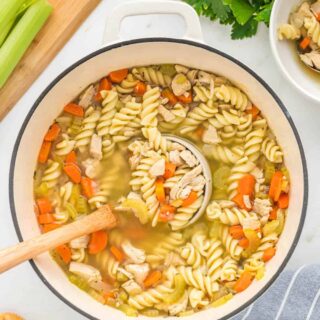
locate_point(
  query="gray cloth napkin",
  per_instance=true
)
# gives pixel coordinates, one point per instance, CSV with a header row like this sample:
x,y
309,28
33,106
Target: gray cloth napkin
x,y
295,295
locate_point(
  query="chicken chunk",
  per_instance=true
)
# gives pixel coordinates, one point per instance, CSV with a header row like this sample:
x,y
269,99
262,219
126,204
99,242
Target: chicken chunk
x,y
174,157
262,206
166,114
139,271
85,271
134,254
210,136
79,243
96,147
158,168
132,287
189,158
180,84
251,223
91,167
312,59
87,98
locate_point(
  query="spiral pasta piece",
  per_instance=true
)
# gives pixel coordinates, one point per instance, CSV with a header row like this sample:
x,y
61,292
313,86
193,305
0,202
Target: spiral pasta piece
x,y
267,242
197,298
108,146
108,112
89,124
127,85
65,146
229,269
232,95
150,297
202,94
253,143
225,118
289,32
225,154
152,76
107,264
214,259
172,181
191,255
150,105
126,114
61,216
231,245
78,255
179,113
201,242
198,115
51,174
244,127
65,192
155,138
241,167
272,150
228,134
196,279
313,28
75,127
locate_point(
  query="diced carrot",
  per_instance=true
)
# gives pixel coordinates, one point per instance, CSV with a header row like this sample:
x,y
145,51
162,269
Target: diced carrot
x,y
238,199
283,201
244,243
166,216
275,185
268,254
44,152
318,16
73,172
167,93
109,295
254,111
243,282
273,214
117,253
166,208
185,98
71,157
170,169
45,218
199,132
44,205
74,109
246,185
152,278
52,133
98,242
118,75
192,197
305,43
160,192
50,226
65,253
236,232
104,84
140,88
87,187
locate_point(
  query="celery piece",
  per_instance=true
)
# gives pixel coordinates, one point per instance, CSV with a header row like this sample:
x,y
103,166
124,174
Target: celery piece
x,y
139,208
179,290
128,310
220,178
42,190
71,210
270,227
168,69
79,282
82,205
222,300
21,36
8,13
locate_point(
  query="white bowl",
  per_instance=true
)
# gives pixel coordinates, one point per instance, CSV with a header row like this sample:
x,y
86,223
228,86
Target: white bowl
x,y
286,55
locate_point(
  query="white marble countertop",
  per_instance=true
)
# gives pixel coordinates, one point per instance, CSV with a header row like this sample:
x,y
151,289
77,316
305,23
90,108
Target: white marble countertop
x,y
21,290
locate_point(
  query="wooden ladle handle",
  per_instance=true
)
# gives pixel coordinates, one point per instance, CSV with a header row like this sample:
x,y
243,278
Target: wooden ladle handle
x,y
103,218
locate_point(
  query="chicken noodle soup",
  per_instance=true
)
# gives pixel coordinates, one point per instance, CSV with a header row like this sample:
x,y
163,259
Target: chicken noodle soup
x,y
304,28
108,146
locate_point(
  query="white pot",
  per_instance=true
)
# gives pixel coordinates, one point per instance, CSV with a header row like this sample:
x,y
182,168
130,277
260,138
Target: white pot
x,y
286,55
145,52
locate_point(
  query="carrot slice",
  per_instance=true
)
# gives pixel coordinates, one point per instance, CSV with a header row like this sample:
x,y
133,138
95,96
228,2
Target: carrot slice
x,y
44,205
275,185
87,187
236,232
185,99
243,282
109,295
50,226
118,253
45,218
65,253
170,169
167,93
152,278
192,197
273,214
254,111
268,254
44,152
238,199
199,132
52,133
118,75
104,84
160,193
246,185
71,157
73,172
140,88
98,242
283,201
74,109
305,43
244,243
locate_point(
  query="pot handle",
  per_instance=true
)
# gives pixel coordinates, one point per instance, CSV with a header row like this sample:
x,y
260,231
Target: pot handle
x,y
145,7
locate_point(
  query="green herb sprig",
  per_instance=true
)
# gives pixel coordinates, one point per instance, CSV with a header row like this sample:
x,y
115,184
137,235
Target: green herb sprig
x,y
243,15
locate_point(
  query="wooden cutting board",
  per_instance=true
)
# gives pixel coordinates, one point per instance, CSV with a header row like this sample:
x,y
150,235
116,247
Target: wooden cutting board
x,y
65,19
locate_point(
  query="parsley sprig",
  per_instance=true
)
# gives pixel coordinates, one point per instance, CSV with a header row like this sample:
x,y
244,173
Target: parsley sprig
x,y
243,15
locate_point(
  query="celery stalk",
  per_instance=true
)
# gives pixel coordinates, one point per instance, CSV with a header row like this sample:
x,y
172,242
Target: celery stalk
x,y
8,12
21,36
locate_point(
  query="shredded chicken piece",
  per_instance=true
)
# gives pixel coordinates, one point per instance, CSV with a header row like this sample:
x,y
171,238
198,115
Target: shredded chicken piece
x,y
79,243
132,287
96,147
91,167
174,157
87,98
189,158
85,271
210,136
180,84
250,223
262,206
166,114
158,168
139,271
134,254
